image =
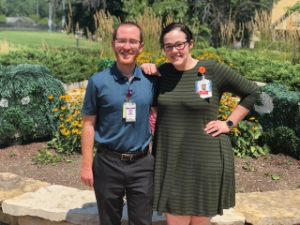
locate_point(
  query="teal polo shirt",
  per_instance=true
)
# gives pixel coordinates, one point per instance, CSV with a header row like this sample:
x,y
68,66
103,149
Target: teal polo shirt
x,y
105,96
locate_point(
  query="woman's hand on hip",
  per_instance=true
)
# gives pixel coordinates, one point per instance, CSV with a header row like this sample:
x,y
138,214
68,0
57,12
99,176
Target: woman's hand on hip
x,y
216,127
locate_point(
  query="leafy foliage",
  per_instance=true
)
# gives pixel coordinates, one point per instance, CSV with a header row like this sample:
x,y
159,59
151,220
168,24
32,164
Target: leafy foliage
x,y
282,123
258,68
286,110
105,63
67,66
26,109
44,156
283,140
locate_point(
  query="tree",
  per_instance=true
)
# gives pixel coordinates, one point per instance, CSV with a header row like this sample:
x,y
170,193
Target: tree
x,y
2,19
13,8
81,17
217,12
175,9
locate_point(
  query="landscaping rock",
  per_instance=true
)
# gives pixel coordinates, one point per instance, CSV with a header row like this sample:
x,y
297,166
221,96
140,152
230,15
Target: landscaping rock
x,y
270,208
12,185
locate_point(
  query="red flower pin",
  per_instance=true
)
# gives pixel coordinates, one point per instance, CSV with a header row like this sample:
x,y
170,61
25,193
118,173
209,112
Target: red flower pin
x,y
202,70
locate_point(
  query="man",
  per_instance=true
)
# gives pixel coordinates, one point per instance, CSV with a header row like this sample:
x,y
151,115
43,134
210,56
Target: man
x,y
116,115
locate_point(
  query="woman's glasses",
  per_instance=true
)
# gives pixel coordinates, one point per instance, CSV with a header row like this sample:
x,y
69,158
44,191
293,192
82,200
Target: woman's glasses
x,y
178,46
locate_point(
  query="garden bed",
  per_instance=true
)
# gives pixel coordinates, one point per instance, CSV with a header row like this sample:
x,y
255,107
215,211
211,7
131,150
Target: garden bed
x,y
267,173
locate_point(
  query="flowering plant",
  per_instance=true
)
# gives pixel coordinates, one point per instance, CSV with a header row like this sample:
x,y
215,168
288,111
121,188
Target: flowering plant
x,y
245,135
244,139
68,135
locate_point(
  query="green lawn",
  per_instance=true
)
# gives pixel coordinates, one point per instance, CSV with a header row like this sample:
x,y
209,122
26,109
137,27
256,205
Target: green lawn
x,y
45,39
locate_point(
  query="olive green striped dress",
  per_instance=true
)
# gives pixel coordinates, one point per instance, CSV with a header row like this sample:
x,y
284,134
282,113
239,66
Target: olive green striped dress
x,y
194,172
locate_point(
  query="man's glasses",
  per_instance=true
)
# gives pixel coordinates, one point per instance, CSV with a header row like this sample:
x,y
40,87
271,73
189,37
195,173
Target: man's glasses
x,y
178,46
124,41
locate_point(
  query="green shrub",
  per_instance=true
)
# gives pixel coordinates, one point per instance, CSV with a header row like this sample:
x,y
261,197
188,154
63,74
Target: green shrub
x,y
284,110
67,66
105,63
28,93
257,68
73,66
283,140
278,111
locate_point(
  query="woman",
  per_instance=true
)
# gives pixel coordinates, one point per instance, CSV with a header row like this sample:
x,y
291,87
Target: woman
x,y
194,171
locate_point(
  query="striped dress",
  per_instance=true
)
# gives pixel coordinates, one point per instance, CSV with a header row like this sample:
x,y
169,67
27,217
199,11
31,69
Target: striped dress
x,y
194,172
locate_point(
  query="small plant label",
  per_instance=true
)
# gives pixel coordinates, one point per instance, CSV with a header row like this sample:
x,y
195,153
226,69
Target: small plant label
x,y
4,103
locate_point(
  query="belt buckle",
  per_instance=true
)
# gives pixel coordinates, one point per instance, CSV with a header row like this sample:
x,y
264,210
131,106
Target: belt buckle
x,y
126,155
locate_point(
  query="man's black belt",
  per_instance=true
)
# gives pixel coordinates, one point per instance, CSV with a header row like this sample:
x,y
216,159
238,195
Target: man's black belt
x,y
128,156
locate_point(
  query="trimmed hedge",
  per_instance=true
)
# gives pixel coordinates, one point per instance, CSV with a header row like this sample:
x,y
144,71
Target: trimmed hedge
x,y
278,112
73,66
67,66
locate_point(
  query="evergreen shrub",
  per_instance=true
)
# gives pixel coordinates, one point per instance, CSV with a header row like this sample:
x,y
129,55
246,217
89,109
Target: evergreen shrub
x,y
283,140
27,96
278,111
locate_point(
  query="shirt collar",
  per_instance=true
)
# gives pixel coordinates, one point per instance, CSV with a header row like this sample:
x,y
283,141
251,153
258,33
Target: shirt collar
x,y
118,75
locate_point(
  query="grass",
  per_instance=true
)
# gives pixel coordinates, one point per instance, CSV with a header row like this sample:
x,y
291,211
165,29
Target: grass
x,y
35,39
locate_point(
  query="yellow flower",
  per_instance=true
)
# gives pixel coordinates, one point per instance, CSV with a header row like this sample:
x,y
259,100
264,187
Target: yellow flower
x,y
63,130
236,130
224,117
67,132
75,123
80,124
252,118
55,109
63,107
230,64
68,98
69,118
62,125
254,128
50,97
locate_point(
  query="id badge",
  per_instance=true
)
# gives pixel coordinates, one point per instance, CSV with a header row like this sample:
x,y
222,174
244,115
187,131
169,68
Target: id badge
x,y
129,111
204,88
